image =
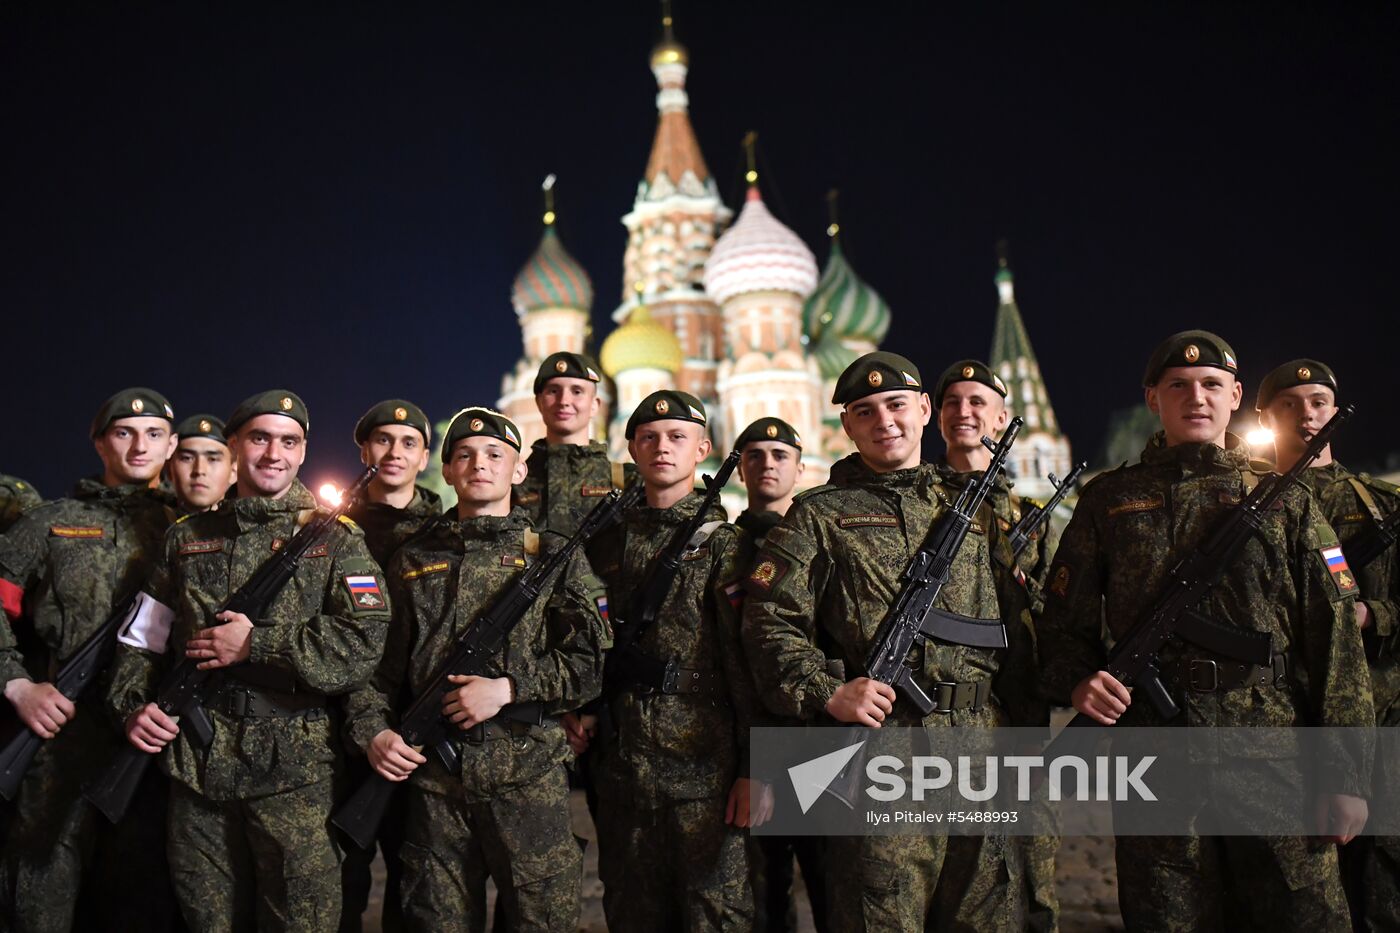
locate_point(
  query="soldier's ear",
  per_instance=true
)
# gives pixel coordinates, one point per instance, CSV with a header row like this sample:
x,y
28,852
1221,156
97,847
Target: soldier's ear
x,y
522,469
1149,395
1237,395
925,407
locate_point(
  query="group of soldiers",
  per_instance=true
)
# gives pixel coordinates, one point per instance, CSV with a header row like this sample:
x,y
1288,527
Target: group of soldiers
x,y
767,621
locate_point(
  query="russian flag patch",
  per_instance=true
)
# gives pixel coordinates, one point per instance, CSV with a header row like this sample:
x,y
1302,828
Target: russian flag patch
x,y
735,592
364,591
1341,573
602,602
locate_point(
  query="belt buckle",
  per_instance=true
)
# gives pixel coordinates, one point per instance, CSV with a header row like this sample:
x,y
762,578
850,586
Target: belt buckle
x,y
944,688
1204,664
476,735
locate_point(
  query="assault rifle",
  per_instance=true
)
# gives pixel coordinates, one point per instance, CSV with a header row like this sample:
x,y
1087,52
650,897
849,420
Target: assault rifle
x,y
182,690
1024,532
422,724
1173,616
1366,547
626,663
913,619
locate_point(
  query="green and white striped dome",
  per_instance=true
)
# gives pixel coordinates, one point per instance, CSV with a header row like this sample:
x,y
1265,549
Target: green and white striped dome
x,y
551,279
844,305
832,355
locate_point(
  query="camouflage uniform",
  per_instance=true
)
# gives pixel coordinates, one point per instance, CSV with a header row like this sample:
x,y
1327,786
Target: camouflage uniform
x,y
249,839
16,497
1353,503
826,576
386,528
507,814
666,762
565,481
69,563
1129,529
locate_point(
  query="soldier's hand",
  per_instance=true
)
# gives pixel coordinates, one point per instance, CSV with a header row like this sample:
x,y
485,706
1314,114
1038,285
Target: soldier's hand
x,y
742,810
862,700
476,699
1341,817
222,645
40,706
150,730
1102,697
1363,615
392,757
580,729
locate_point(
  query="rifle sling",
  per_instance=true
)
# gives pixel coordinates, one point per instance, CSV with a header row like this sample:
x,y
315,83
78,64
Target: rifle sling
x,y
1367,499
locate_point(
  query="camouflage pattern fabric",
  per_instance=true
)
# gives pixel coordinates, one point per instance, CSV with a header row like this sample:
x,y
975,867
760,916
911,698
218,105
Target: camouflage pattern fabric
x,y
1370,864
16,498
506,815
387,527
564,482
1129,529
665,766
827,575
73,560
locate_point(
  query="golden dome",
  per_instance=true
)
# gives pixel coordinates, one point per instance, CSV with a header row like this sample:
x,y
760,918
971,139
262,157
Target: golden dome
x,y
640,343
669,52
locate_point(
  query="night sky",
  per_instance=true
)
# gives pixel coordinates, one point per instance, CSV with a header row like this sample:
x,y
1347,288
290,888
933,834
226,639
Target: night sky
x,y
337,200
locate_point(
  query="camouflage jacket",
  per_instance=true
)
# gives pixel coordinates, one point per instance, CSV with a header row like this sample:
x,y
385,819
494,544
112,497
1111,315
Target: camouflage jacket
x,y
827,575
1335,487
386,528
677,747
69,562
565,481
322,636
16,498
757,524
441,581
1133,524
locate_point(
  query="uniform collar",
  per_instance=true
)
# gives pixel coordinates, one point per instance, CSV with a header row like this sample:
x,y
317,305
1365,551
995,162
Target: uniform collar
x,y
486,527
853,471
92,489
1197,457
258,510
758,523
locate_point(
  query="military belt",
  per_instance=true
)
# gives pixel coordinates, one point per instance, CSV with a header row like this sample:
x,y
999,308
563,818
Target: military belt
x,y
949,696
685,681
1212,673
245,702
513,721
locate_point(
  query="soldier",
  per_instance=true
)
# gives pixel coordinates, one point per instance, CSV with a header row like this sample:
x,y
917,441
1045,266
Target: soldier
x,y
16,497
67,564
971,403
826,577
506,815
1131,526
1294,401
396,436
202,469
672,770
769,465
249,840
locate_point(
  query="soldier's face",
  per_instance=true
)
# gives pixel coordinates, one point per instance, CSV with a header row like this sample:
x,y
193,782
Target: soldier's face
x,y
400,453
1195,403
269,450
887,428
134,450
969,411
769,470
667,452
1295,415
567,405
482,470
201,471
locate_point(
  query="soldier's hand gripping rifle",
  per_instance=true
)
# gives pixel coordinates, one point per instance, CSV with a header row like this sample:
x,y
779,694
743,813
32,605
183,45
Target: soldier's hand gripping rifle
x,y
78,673
912,617
1031,521
181,691
626,663
1173,616
422,724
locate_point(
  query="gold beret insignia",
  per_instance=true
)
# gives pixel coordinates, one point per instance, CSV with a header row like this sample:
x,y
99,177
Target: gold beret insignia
x,y
772,430
477,424
137,405
662,406
560,366
1304,372
1192,353
286,403
967,372
875,378
400,414
205,426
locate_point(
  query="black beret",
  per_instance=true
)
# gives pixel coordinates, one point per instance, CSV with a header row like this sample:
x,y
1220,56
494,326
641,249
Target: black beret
x,y
968,371
769,429
1294,373
131,403
566,365
479,422
876,372
1190,348
667,405
201,426
272,402
393,411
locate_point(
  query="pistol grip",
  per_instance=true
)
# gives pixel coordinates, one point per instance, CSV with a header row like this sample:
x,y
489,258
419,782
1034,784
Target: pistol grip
x,y
915,694
196,718
1159,695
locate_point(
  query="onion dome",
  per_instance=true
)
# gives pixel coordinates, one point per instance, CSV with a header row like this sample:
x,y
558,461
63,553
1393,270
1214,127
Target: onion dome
x,y
759,254
844,305
668,51
832,355
551,279
640,343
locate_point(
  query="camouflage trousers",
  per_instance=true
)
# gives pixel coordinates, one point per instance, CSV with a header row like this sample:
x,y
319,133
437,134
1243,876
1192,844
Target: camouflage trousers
x,y
771,860
675,866
1371,868
521,839
917,883
268,863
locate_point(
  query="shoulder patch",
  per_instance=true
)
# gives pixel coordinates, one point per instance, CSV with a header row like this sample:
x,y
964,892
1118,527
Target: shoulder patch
x,y
76,531
364,591
349,522
768,571
413,573
867,521
1337,569
1060,579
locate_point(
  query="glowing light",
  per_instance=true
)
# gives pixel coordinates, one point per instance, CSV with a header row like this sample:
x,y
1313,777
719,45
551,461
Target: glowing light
x,y
330,494
751,176
549,217
833,229
1259,437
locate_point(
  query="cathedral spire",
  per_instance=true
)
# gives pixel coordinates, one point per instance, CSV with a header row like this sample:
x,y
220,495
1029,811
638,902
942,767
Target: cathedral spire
x,y
675,152
1013,358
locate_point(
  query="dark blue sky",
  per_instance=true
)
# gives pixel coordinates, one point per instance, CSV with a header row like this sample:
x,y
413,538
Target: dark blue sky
x,y
337,200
